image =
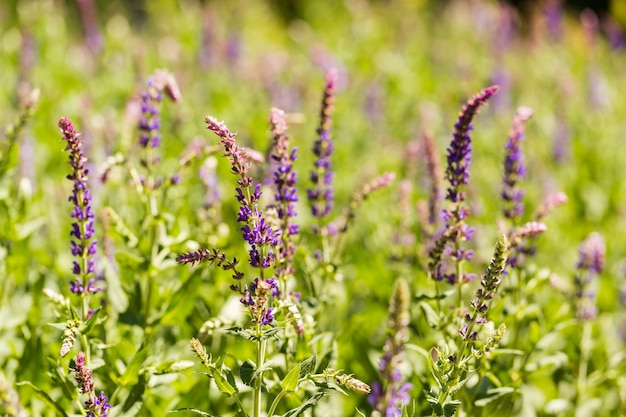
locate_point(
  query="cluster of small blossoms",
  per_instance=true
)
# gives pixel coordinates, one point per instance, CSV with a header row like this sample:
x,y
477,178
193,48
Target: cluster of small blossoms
x,y
150,122
96,405
286,197
457,174
256,230
321,195
488,286
591,262
83,230
392,394
514,167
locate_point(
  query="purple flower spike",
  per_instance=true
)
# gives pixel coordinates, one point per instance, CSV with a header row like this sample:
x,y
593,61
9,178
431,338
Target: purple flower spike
x,y
514,168
460,150
457,174
256,229
150,122
591,262
95,405
321,195
285,182
83,244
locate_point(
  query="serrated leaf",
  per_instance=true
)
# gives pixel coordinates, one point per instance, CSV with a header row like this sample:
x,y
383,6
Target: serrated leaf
x,y
450,408
307,366
44,396
434,404
247,372
193,410
305,406
290,382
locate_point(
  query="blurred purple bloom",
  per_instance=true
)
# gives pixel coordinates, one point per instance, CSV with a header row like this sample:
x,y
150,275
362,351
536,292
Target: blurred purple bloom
x,y
591,262
321,195
514,167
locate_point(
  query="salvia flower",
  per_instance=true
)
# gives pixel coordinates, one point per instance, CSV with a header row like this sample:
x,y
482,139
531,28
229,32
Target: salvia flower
x,y
457,174
389,396
514,167
591,262
83,242
488,285
549,204
150,122
95,405
256,229
460,150
285,178
321,195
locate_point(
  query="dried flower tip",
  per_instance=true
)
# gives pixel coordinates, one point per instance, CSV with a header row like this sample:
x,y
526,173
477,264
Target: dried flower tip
x,y
347,381
494,340
69,337
399,306
551,202
199,350
278,121
9,399
56,298
165,81
219,128
530,229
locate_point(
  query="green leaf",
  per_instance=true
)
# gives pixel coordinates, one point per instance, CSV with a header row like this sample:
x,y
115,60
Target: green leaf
x,y
247,372
290,382
131,375
223,385
494,394
306,405
450,408
307,366
44,396
193,410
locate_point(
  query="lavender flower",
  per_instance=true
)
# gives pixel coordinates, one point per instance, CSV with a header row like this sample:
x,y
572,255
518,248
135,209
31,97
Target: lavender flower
x,y
321,195
97,406
150,122
514,167
285,182
83,229
256,230
392,394
457,173
591,262
460,150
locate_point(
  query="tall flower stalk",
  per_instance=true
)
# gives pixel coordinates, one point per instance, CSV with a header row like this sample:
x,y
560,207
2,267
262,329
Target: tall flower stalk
x,y
591,263
450,369
321,194
285,198
392,394
456,231
83,242
94,405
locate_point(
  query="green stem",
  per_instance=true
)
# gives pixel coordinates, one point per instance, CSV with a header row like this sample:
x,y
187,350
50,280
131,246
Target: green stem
x,y
585,350
258,382
275,403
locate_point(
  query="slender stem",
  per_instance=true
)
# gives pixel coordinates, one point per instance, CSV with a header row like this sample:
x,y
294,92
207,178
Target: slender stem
x,y
258,383
275,403
585,350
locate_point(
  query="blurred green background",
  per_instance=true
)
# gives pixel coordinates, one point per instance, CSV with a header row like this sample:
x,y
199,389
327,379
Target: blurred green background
x,y
405,67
